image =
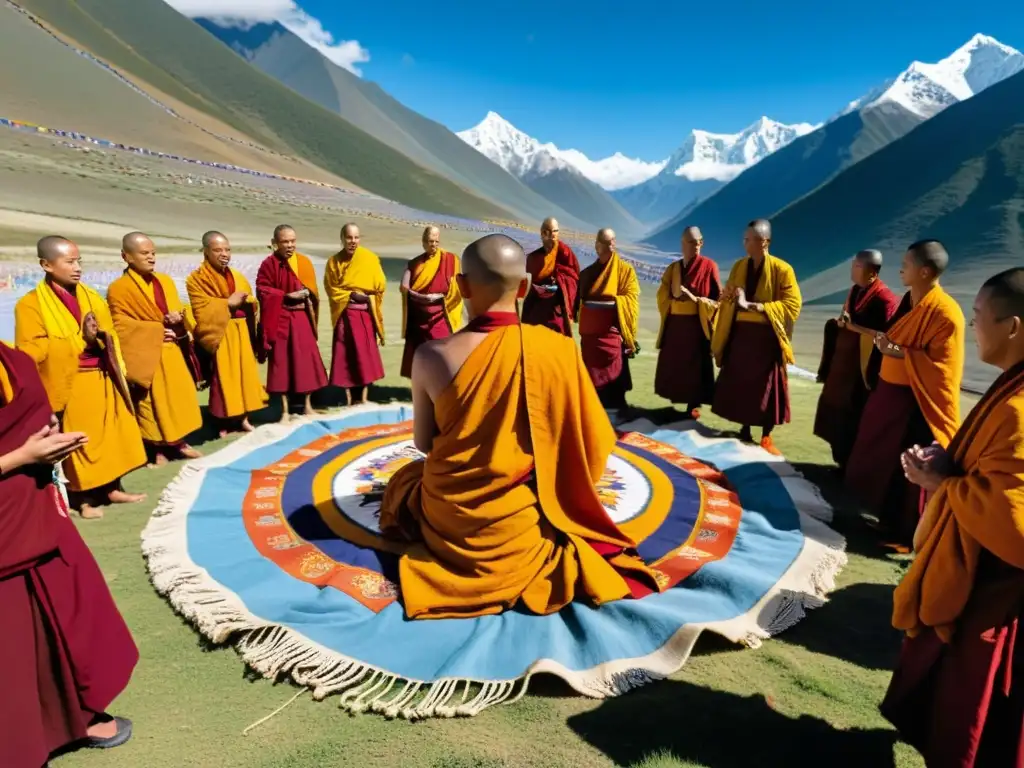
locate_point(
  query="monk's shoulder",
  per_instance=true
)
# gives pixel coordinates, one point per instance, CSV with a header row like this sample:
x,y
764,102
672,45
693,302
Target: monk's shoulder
x,y
119,286
950,309
1007,423
552,343
29,301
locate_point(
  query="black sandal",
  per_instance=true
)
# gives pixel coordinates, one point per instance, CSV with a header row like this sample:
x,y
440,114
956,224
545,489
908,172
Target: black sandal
x,y
124,732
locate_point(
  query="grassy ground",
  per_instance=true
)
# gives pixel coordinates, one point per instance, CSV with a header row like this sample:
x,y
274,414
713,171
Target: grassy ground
x,y
810,694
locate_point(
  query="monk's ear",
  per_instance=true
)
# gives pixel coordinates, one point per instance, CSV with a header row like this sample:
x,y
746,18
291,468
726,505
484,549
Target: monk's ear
x,y
47,267
1015,327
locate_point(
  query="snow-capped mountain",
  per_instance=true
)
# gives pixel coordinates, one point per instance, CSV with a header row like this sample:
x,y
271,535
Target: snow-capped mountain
x,y
615,172
927,89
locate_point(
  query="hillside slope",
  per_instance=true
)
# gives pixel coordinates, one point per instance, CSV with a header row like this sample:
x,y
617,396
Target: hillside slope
x,y
958,177
153,43
290,60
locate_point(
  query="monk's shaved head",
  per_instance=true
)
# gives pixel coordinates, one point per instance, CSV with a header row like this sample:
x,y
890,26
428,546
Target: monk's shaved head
x,y
133,241
549,232
998,320
349,228
494,262
211,236
692,234
550,224
762,228
282,228
139,252
53,247
431,230
931,254
870,258
1005,293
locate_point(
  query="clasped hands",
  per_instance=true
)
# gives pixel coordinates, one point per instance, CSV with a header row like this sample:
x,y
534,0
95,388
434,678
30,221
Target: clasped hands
x,y
886,346
297,296
926,467
49,445
236,299
738,295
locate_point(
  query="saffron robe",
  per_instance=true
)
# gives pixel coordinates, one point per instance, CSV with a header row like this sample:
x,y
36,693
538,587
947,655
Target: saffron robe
x,y
753,349
358,327
69,652
916,401
163,373
85,385
957,694
607,332
423,322
229,337
849,366
504,503
686,370
288,330
558,268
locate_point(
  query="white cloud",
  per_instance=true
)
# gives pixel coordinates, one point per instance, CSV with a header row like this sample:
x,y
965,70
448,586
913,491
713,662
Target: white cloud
x,y
345,53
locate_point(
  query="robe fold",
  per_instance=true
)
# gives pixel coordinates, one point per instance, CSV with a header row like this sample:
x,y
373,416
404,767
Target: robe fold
x,y
607,332
916,401
504,504
753,349
424,322
288,330
686,372
69,651
849,366
358,327
556,268
957,694
86,385
229,337
163,374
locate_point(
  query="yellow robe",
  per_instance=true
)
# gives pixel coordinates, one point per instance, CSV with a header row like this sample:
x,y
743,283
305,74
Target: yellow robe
x,y
617,282
227,338
168,408
521,402
92,400
777,290
420,278
363,274
705,309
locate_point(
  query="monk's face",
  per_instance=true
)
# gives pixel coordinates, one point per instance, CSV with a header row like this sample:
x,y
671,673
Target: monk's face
x,y
431,241
141,256
285,243
350,240
65,268
549,235
996,332
691,244
754,244
861,273
912,273
605,244
218,253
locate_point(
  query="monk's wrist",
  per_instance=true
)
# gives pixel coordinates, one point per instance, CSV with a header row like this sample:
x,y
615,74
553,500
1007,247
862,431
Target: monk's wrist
x,y
12,461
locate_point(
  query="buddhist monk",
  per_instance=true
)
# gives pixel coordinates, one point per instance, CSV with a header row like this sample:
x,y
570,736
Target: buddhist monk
x,y
431,304
849,358
752,343
608,308
354,284
69,653
160,361
554,279
957,694
688,302
917,398
66,327
225,312
289,314
503,509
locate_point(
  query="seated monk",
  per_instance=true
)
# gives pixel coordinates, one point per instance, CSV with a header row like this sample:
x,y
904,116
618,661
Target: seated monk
x,y
688,302
160,361
503,508
554,279
289,316
957,694
849,359
69,653
67,329
431,304
917,398
225,308
752,343
354,284
608,308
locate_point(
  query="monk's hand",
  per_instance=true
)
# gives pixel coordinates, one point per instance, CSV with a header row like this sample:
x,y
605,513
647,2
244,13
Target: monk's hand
x,y
844,319
236,299
923,475
728,293
90,329
49,446
935,458
299,295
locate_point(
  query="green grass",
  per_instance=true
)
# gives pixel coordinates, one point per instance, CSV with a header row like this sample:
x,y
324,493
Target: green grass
x,y
806,696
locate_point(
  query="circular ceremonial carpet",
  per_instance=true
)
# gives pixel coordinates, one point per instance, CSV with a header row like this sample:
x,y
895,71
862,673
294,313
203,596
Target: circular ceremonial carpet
x,y
273,543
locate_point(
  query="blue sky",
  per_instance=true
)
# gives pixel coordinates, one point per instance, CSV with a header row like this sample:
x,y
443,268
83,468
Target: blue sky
x,y
598,78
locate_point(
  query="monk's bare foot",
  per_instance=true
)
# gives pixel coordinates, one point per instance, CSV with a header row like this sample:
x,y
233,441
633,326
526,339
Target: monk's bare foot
x,y
310,411
89,512
223,433
188,452
247,426
103,730
160,460
285,418
695,414
123,497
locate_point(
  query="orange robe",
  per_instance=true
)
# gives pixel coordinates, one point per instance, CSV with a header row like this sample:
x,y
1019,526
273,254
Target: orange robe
x,y
504,503
425,322
957,694
229,336
163,373
916,401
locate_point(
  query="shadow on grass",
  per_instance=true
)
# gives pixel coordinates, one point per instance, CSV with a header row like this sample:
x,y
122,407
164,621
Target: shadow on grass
x,y
721,730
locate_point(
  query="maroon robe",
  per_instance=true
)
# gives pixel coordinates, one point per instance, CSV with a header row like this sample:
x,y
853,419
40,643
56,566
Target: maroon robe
x,y
69,651
425,322
355,361
287,336
686,369
845,391
753,387
601,345
555,311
